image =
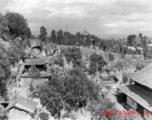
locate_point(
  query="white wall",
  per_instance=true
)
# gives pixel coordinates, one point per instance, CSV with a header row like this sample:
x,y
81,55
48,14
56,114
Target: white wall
x,y
131,103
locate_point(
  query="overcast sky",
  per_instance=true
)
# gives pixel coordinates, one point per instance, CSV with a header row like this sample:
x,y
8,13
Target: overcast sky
x,y
100,17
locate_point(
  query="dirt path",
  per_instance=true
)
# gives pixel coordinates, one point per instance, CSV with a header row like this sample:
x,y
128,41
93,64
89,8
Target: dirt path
x,y
112,96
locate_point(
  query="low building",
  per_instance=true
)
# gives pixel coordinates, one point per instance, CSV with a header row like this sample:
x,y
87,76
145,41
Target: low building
x,y
21,109
149,47
26,79
137,95
40,65
139,50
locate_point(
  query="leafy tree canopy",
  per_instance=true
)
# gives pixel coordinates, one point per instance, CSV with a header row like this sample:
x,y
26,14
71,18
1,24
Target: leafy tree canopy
x,y
69,93
43,34
97,63
73,54
16,23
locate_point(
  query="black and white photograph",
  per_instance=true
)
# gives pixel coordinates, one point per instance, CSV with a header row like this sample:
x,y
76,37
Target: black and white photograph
x,y
75,59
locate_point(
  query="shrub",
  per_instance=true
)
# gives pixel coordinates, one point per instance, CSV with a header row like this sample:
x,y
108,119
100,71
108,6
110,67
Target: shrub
x,y
97,63
125,78
111,57
71,92
73,54
139,66
44,116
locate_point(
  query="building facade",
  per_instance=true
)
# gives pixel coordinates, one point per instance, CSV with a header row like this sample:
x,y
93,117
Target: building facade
x,y
138,95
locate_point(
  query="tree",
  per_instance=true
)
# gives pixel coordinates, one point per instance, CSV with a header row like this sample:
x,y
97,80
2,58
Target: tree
x,y
16,23
3,25
131,40
141,39
98,107
5,72
60,37
73,54
111,57
43,34
27,32
16,51
88,40
140,35
44,116
139,66
78,35
97,63
71,92
145,41
53,36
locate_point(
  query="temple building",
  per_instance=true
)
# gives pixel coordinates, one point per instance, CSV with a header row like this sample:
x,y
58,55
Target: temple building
x,y
138,94
22,108
36,59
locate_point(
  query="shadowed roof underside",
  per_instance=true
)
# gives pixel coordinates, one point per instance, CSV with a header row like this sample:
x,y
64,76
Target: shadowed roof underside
x,y
139,95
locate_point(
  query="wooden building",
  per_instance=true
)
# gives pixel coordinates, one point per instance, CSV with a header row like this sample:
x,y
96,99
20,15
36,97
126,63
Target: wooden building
x,y
21,109
138,95
39,64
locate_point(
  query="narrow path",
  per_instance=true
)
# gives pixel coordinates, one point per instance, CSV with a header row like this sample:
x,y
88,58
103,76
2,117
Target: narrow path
x,y
112,96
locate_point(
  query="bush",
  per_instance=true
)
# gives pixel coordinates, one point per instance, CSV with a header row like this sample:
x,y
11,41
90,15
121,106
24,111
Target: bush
x,y
97,63
44,116
139,66
111,57
73,54
71,92
125,78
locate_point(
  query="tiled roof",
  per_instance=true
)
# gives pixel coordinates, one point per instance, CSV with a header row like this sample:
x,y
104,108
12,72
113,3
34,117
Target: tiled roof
x,y
139,95
143,76
34,62
25,104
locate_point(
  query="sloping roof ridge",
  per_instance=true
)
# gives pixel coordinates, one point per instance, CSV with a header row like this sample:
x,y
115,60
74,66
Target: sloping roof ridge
x,y
145,68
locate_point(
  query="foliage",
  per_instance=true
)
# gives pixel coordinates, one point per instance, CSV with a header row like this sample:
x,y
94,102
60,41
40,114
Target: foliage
x,y
131,40
97,63
73,54
60,39
111,56
139,66
44,116
96,108
53,36
16,51
125,78
27,33
5,72
69,93
119,65
3,114
3,25
34,72
43,34
16,23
